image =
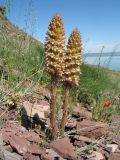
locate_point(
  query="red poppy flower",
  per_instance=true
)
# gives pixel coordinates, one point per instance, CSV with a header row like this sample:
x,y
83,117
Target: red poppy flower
x,y
107,104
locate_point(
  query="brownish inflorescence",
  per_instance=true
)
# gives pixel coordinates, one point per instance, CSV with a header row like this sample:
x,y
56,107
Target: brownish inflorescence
x,y
54,63
73,58
55,47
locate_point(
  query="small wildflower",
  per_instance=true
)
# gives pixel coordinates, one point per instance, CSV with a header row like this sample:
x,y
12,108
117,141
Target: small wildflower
x,y
107,104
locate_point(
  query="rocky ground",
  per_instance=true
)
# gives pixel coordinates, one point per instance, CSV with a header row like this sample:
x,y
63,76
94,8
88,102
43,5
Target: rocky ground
x,y
84,138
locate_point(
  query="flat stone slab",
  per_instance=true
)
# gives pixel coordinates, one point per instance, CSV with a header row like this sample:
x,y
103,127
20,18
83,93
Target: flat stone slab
x,y
37,110
64,148
51,155
20,145
6,155
92,129
111,147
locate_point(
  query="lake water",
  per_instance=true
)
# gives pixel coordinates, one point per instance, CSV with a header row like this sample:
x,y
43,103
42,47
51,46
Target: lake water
x,y
109,62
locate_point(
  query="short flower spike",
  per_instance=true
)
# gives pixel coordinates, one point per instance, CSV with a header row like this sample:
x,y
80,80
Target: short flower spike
x,y
73,58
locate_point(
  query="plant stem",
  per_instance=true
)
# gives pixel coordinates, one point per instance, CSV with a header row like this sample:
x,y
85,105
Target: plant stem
x,y
53,107
65,109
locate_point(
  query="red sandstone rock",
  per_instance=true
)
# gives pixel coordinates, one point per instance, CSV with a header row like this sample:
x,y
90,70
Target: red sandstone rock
x,y
15,129
92,129
114,156
51,155
71,124
84,139
20,145
34,149
29,156
31,137
81,111
64,148
6,137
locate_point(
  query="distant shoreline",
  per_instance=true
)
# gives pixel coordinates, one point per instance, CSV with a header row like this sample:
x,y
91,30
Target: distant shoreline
x,y
105,54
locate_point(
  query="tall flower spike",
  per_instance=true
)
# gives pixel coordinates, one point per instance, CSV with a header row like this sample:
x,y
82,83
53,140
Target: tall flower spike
x,y
54,63
73,58
55,47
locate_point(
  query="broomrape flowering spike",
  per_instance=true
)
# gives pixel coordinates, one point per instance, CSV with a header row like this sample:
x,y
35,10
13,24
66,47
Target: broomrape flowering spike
x,y
73,59
55,47
54,52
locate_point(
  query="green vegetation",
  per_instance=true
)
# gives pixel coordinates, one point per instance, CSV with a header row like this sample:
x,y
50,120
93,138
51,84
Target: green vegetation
x,y
93,81
21,59
97,86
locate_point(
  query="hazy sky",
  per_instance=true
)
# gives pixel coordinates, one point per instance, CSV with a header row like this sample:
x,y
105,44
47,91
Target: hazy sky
x,y
98,20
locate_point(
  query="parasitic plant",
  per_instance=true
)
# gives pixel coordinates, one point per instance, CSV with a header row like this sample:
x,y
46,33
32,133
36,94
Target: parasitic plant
x,y
54,65
73,60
